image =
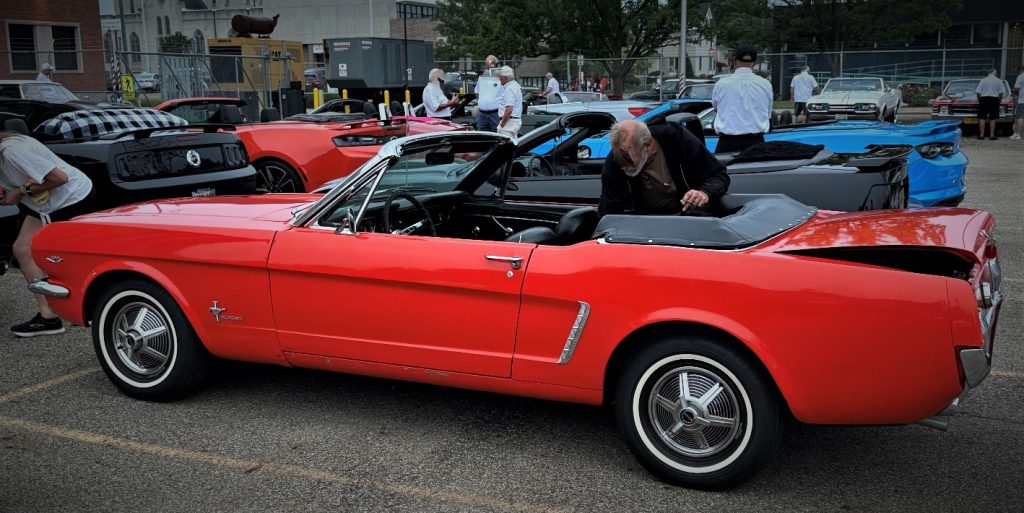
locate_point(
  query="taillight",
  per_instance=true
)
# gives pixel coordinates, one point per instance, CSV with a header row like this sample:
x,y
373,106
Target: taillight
x,y
638,111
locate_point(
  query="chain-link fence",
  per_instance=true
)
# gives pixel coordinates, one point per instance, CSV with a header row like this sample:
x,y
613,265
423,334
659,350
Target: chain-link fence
x,y
918,71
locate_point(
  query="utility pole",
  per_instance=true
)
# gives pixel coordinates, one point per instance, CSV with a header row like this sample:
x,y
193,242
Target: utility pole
x,y
124,30
682,40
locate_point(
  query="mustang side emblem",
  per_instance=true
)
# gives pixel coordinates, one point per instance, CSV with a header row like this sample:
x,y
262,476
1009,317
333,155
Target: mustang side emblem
x,y
218,313
192,156
54,259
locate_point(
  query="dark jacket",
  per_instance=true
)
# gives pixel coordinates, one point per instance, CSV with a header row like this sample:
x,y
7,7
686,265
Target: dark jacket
x,y
690,163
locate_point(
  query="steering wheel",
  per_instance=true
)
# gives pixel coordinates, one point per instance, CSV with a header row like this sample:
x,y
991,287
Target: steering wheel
x,y
427,220
539,170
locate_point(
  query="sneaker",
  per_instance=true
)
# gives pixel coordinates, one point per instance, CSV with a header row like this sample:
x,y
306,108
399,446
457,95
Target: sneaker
x,y
1015,137
38,326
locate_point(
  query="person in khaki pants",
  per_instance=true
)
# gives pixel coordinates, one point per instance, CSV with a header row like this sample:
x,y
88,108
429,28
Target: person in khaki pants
x,y
510,104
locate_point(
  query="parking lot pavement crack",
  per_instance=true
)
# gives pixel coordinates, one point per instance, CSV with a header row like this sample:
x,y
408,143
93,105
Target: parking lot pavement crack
x,y
249,466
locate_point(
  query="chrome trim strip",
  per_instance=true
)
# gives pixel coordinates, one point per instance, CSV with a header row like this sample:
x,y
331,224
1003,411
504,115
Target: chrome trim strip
x,y
41,286
575,333
976,366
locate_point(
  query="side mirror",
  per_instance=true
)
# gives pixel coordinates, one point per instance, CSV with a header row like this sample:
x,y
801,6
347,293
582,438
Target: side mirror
x,y
348,225
436,158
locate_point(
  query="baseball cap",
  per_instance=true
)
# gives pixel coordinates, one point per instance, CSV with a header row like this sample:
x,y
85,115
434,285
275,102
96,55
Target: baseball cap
x,y
746,53
46,66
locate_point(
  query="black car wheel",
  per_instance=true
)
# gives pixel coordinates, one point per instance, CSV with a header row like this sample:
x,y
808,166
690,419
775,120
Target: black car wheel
x,y
145,344
275,176
697,413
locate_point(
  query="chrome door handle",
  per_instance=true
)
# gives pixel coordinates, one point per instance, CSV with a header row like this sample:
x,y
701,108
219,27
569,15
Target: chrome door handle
x,y
515,262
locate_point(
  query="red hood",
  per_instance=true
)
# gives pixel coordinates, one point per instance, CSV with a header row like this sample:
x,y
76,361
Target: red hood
x,y
268,207
961,230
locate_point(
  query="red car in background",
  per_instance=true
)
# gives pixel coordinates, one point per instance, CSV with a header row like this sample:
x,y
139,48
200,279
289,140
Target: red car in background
x,y
959,101
302,152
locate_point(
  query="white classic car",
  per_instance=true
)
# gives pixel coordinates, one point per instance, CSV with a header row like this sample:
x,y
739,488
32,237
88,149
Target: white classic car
x,y
855,98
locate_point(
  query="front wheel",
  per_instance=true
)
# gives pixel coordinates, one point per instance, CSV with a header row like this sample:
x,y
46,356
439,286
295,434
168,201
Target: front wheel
x,y
697,413
145,344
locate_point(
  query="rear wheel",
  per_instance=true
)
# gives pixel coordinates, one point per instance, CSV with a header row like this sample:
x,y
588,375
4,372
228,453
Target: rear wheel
x,y
273,175
145,344
697,413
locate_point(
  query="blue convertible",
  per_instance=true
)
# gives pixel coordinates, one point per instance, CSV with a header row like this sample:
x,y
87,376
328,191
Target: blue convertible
x,y
936,169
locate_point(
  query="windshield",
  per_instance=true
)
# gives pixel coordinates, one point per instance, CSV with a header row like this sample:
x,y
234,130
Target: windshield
x,y
960,88
53,93
697,91
434,169
578,96
852,85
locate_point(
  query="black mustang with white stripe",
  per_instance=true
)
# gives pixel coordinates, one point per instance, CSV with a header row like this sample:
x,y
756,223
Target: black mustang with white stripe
x,y
130,154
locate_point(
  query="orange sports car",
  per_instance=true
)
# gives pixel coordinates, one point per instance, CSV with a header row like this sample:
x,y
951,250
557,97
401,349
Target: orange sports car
x,y
302,152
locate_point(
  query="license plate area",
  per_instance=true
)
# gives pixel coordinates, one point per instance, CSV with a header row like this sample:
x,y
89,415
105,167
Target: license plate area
x,y
970,121
842,116
204,192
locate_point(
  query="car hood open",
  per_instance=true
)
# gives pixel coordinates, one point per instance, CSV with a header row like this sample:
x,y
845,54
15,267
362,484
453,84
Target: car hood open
x,y
952,229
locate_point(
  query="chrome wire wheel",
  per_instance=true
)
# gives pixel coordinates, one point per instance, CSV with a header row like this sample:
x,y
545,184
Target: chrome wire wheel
x,y
275,177
694,412
142,339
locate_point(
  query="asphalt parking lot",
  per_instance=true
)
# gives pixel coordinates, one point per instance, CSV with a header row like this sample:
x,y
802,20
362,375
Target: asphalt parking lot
x,y
263,438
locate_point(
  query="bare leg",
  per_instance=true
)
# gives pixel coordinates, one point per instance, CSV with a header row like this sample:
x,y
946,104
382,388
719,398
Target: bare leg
x,y
992,128
32,272
981,129
1018,126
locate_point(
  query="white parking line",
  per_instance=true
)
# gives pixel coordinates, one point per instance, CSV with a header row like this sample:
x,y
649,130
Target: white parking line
x,y
22,392
247,466
1008,374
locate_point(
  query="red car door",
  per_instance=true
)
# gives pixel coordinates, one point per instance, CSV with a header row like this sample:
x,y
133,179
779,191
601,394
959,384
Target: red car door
x,y
427,302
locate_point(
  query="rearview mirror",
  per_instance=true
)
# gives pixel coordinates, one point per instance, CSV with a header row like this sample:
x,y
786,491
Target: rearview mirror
x,y
436,158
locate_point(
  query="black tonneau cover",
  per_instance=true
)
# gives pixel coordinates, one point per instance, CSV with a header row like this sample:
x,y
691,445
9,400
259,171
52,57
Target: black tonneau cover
x,y
757,218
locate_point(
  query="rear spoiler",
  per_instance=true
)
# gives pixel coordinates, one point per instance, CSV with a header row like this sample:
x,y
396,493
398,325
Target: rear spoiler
x,y
143,133
880,155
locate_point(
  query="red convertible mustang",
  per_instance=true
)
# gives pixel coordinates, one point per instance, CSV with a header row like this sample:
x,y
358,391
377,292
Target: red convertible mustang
x,y
702,333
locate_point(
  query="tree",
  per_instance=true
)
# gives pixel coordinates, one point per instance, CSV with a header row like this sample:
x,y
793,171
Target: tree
x,y
619,31
825,25
510,30
176,43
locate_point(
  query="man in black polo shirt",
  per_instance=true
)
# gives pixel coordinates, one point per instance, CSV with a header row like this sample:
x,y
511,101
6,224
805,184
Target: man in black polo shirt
x,y
659,170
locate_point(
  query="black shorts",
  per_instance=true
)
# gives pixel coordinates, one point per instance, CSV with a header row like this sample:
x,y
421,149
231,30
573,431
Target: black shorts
x,y
799,108
988,108
85,206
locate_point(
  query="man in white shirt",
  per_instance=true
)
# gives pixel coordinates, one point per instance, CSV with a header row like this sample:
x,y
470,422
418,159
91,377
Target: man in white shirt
x,y
744,104
1018,113
511,103
45,73
553,86
990,95
435,102
801,88
488,93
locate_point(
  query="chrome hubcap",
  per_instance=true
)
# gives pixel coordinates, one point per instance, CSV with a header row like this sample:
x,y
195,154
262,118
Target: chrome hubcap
x,y
274,178
142,339
694,412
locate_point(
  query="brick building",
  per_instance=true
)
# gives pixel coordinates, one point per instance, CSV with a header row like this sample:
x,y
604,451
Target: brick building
x,y
65,34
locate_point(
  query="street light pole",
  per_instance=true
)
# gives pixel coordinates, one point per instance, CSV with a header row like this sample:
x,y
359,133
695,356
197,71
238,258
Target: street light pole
x,y
682,40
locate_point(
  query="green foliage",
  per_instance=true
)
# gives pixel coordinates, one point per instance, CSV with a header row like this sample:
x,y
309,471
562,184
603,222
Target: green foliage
x,y
176,43
511,30
617,30
825,25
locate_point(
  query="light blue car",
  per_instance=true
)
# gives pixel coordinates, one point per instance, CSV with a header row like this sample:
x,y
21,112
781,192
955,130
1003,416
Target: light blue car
x,y
936,169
